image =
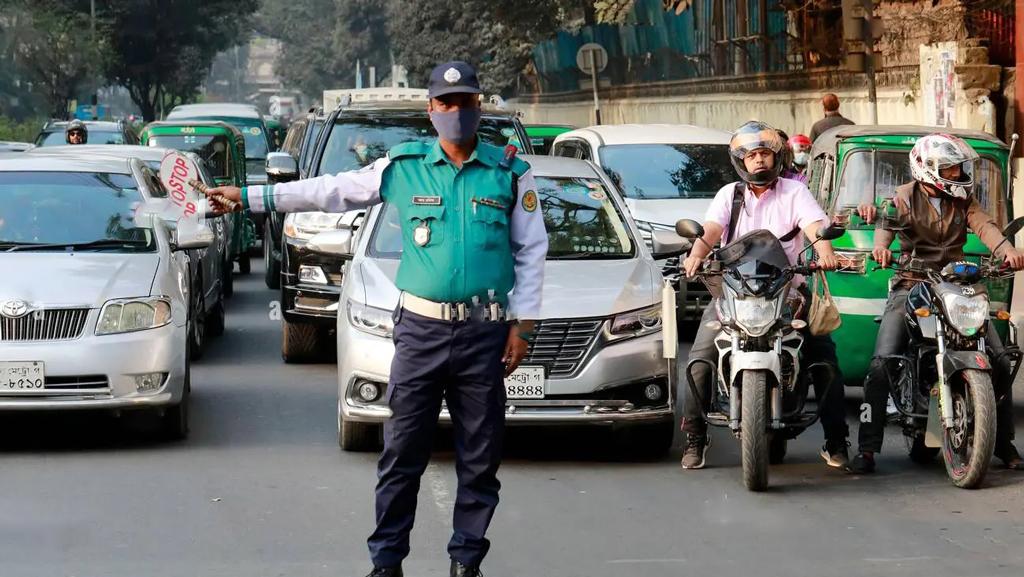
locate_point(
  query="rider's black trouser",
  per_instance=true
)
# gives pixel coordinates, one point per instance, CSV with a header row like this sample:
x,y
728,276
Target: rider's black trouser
x,y
815,349
892,340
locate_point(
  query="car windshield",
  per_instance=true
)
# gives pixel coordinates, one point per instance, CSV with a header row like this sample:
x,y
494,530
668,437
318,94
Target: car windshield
x,y
356,142
666,171
66,208
212,148
96,136
872,175
581,219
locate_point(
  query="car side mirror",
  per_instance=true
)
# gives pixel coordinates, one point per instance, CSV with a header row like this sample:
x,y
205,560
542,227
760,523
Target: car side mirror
x,y
336,243
831,232
667,244
281,167
690,229
190,235
1014,227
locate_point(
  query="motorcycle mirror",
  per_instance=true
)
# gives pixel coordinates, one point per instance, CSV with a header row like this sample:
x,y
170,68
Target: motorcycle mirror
x,y
690,229
831,232
1014,227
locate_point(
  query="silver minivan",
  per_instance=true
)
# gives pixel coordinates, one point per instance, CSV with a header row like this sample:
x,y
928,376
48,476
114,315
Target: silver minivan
x,y
596,357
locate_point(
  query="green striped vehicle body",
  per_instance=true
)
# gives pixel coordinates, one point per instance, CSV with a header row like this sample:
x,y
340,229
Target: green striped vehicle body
x,y
195,136
840,158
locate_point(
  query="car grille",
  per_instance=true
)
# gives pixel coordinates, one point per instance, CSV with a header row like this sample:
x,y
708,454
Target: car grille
x,y
560,346
84,382
44,325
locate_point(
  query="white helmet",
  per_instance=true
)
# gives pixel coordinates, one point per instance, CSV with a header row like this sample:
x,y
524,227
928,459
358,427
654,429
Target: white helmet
x,y
936,152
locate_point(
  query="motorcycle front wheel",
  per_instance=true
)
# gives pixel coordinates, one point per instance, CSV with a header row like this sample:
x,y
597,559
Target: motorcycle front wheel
x,y
754,432
967,446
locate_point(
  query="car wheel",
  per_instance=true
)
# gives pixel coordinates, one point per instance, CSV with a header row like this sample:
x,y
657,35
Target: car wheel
x,y
197,322
244,264
272,266
358,437
215,322
174,423
228,279
298,342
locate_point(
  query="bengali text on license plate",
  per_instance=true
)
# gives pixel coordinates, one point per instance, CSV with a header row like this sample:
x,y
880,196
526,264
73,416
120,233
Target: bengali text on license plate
x,y
25,376
525,383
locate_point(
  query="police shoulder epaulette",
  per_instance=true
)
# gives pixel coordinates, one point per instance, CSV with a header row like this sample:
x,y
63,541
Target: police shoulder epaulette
x,y
408,149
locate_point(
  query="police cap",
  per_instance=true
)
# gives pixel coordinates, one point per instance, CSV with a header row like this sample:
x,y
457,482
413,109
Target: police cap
x,y
452,78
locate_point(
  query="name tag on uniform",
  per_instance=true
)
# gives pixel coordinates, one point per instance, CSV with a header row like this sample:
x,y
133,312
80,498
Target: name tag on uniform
x,y
427,200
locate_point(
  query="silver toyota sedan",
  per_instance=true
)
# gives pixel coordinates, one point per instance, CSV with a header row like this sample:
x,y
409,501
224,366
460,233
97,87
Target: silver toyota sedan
x,y
93,290
596,357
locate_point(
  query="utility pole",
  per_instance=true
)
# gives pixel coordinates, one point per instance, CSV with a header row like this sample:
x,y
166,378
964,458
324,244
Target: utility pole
x,y
92,21
1018,125
860,30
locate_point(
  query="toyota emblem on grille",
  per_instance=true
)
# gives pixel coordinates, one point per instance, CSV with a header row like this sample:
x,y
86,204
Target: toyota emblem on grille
x,y
14,308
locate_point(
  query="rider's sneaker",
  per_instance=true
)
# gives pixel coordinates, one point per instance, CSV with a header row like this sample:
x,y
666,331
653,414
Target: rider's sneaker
x,y
836,454
862,464
696,449
1010,457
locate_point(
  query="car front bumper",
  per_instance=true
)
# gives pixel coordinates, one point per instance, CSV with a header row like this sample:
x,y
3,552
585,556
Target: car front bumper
x,y
98,372
601,392
305,301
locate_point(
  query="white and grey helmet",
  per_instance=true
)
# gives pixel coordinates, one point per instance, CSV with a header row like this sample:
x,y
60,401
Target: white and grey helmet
x,y
935,152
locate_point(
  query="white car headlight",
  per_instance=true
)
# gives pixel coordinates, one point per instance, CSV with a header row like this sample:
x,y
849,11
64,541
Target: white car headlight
x,y
371,320
130,315
304,225
634,323
966,314
755,314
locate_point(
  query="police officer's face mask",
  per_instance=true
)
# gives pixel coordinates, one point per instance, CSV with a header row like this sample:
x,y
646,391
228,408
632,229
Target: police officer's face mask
x,y
458,126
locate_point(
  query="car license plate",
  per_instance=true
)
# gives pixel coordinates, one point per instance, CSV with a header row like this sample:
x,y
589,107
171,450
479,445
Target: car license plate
x,y
525,383
25,376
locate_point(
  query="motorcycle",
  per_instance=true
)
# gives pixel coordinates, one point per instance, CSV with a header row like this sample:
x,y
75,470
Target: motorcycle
x,y
760,387
942,387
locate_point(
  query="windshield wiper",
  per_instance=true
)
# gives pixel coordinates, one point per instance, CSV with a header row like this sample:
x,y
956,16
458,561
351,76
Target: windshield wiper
x,y
586,255
101,243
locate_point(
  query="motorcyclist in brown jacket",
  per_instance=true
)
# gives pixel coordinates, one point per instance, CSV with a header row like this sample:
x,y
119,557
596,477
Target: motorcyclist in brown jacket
x,y
934,213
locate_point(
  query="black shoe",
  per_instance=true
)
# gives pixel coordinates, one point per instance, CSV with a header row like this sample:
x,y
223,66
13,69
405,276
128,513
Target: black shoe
x,y
862,464
836,454
1010,457
460,570
386,572
696,449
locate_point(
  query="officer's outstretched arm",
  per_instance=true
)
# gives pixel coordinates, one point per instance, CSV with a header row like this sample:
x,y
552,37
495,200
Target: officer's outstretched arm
x,y
329,193
530,245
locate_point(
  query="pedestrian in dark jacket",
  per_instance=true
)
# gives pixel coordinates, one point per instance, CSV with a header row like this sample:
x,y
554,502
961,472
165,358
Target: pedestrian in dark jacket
x,y
830,102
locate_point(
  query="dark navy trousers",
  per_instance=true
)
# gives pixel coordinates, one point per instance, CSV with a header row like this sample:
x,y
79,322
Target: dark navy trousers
x,y
460,362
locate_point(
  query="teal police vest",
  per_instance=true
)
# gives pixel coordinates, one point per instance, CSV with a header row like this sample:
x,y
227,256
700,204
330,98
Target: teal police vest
x,y
455,222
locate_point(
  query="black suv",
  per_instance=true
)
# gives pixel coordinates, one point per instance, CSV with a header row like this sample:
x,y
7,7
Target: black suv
x,y
352,137
299,143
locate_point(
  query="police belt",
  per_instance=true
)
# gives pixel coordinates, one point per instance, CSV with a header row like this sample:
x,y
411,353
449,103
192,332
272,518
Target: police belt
x,y
452,311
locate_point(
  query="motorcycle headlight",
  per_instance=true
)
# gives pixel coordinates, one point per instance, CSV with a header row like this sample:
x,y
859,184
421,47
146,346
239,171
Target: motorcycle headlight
x,y
304,225
634,323
755,315
966,314
130,315
371,320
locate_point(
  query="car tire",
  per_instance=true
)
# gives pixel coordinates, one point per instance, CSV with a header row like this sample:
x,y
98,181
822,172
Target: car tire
x,y
197,322
271,265
174,422
299,342
228,279
358,437
215,321
244,264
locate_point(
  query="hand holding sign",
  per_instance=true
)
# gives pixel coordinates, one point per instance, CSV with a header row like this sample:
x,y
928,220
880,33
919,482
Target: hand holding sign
x,y
225,198
180,175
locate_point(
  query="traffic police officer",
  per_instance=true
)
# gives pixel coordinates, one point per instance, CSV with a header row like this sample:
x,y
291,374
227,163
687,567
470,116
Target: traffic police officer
x,y
472,231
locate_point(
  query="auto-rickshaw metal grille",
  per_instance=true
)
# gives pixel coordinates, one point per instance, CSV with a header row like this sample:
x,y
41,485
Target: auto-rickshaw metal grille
x,y
44,325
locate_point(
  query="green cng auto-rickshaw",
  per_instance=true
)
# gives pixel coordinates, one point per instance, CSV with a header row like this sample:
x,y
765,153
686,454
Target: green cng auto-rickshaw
x,y
851,165
222,148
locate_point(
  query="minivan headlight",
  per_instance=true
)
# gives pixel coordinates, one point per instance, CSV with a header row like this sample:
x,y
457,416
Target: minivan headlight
x,y
130,315
371,320
305,225
966,314
634,323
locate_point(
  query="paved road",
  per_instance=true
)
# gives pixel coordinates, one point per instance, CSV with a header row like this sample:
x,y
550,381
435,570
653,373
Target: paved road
x,y
261,489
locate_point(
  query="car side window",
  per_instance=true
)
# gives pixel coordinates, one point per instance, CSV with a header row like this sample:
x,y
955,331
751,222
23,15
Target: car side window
x,y
566,148
584,151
